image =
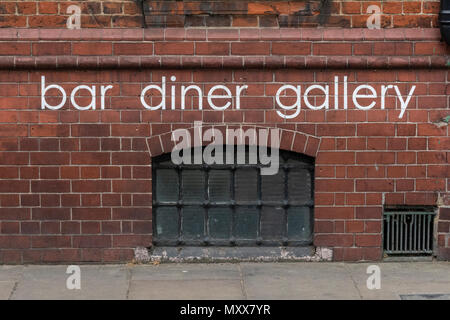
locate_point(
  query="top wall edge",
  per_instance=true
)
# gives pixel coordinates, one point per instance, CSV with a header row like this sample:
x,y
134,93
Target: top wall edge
x,y
208,34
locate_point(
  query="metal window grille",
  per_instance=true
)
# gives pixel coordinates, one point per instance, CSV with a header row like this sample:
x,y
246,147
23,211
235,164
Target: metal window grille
x,y
233,204
408,232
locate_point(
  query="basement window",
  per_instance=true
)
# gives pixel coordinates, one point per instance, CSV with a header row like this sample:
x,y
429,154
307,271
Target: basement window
x,y
233,204
408,231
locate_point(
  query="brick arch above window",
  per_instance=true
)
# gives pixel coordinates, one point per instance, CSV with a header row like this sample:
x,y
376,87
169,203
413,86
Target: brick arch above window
x,y
290,140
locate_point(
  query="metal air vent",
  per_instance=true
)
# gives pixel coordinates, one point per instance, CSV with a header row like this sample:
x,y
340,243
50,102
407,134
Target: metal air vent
x,y
408,231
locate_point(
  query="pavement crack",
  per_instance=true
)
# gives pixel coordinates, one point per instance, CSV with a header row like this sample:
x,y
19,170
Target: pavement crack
x,y
16,283
129,283
353,281
241,275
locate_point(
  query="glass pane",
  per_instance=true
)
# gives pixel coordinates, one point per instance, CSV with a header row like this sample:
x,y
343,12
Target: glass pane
x,y
219,185
272,188
193,219
246,184
193,185
214,154
246,223
167,222
272,223
167,185
167,162
299,186
299,223
219,223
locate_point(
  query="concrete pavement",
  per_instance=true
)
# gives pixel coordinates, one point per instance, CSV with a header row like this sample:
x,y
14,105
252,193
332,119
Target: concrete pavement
x,y
301,280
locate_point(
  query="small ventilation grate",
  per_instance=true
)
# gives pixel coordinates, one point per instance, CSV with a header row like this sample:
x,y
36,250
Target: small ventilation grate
x,y
408,232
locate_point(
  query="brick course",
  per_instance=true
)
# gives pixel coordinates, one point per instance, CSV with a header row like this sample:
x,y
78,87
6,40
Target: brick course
x,y
213,13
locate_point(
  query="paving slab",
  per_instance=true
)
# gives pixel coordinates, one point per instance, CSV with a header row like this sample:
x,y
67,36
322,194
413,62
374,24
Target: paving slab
x,y
425,296
49,282
298,281
10,272
186,289
6,289
214,271
403,278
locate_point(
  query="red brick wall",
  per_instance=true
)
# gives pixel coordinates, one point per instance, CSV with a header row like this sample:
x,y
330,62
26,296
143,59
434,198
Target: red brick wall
x,y
251,13
76,185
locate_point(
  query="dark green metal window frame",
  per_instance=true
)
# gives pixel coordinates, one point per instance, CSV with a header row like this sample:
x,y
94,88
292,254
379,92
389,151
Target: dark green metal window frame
x,y
233,205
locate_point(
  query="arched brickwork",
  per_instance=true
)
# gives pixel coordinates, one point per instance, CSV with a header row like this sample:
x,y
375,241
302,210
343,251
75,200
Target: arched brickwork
x,y
290,140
